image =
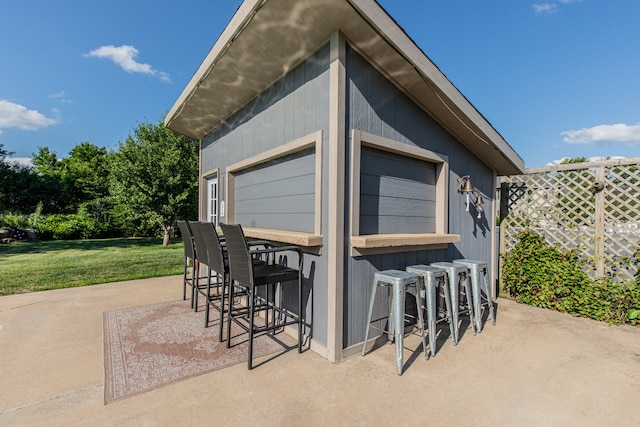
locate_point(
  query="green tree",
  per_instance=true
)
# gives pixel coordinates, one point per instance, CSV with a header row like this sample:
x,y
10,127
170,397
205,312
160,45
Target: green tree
x,y
46,162
572,160
6,179
19,186
51,187
66,184
85,174
154,177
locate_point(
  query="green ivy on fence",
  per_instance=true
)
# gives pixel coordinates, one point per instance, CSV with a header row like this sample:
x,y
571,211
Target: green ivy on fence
x,y
541,275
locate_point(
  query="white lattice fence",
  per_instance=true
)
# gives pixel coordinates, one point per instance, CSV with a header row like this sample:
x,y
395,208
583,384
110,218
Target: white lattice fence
x,y
591,207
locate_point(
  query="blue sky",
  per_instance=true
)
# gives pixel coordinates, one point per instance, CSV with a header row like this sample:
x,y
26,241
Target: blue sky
x,y
556,78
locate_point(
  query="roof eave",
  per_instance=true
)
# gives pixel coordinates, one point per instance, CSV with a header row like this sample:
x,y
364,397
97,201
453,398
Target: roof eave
x,y
240,19
374,32
470,122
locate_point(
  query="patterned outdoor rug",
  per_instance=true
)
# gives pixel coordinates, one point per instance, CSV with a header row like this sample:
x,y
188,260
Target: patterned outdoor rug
x,y
151,346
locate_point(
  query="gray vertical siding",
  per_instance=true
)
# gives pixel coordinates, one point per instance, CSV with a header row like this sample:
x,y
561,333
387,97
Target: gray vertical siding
x,y
294,106
377,106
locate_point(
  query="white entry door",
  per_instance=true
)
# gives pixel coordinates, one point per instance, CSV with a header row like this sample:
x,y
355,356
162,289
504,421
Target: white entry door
x,y
212,200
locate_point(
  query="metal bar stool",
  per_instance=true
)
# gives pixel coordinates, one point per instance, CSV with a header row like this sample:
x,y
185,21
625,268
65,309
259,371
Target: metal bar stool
x,y
460,289
399,281
435,284
477,287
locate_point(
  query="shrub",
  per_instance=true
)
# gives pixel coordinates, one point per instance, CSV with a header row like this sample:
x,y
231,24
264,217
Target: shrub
x,y
541,275
35,218
80,225
58,227
94,221
606,300
13,220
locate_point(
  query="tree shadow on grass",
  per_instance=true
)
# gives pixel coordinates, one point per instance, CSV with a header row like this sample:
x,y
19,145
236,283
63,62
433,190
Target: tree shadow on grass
x,y
16,248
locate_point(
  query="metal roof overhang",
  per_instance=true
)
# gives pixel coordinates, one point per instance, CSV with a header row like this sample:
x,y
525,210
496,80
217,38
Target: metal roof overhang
x,y
267,38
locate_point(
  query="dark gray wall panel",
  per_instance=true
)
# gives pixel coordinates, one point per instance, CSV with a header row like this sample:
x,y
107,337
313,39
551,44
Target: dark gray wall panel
x,y
284,168
284,187
291,205
376,162
300,185
392,225
291,222
398,207
374,185
397,194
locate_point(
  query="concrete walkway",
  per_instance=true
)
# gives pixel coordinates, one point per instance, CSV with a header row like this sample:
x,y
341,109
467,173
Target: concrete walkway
x,y
534,368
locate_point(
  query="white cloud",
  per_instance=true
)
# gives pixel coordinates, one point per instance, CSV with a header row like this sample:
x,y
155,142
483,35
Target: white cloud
x,y
557,161
61,96
125,57
549,8
20,117
619,133
23,161
164,76
545,8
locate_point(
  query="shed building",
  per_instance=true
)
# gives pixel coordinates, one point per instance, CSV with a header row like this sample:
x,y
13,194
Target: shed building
x,y
322,124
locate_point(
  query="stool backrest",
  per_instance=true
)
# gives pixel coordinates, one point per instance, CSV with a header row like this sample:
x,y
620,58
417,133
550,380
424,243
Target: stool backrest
x,y
240,260
202,255
214,247
187,239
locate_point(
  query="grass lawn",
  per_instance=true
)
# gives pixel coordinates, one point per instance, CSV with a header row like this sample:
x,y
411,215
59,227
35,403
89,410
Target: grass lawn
x,y
38,266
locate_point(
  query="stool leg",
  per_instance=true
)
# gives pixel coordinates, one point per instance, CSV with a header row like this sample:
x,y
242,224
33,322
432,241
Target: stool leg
x,y
196,284
225,279
420,304
184,282
455,293
449,307
398,316
391,319
467,290
477,298
431,317
251,290
372,300
487,289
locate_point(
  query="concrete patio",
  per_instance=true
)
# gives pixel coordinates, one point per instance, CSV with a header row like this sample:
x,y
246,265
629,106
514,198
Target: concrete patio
x,y
535,367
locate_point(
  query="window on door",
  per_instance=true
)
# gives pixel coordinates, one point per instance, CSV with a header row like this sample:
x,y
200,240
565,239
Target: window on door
x,y
212,200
